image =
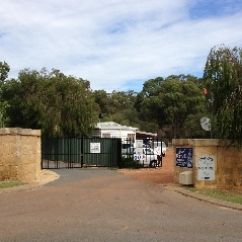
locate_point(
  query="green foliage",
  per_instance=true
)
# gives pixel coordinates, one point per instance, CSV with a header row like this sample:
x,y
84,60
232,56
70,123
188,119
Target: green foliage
x,y
170,102
4,69
3,114
53,102
117,107
65,105
223,76
192,128
102,99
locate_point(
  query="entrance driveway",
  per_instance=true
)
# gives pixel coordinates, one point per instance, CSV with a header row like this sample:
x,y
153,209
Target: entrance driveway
x,y
104,205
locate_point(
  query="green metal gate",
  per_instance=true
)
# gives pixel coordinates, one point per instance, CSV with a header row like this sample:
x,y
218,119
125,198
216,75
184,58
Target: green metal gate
x,y
80,152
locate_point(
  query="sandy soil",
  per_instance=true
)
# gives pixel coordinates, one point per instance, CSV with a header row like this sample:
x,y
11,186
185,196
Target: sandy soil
x,y
162,175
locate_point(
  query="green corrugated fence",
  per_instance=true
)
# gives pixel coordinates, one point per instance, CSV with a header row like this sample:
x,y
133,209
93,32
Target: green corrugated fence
x,y
79,152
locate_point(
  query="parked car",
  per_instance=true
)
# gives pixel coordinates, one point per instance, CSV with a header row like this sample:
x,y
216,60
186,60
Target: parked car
x,y
146,156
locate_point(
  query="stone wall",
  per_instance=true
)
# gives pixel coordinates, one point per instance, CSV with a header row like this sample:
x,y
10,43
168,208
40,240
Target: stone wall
x,y
215,163
20,157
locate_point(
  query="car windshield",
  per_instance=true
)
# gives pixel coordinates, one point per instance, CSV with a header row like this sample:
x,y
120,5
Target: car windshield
x,y
148,151
126,146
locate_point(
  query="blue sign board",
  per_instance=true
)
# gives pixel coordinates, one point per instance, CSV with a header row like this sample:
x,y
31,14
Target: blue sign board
x,y
184,157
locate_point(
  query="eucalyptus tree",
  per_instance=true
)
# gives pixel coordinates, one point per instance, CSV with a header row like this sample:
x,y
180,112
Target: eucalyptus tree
x,y
51,101
171,101
223,76
117,106
4,70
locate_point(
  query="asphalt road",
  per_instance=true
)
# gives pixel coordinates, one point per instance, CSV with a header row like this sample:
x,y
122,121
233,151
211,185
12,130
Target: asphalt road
x,y
104,205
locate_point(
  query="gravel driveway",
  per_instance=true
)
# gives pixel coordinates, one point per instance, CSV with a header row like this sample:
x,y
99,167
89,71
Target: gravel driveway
x,y
104,205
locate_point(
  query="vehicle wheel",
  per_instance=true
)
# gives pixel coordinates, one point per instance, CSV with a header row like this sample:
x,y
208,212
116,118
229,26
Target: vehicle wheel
x,y
153,163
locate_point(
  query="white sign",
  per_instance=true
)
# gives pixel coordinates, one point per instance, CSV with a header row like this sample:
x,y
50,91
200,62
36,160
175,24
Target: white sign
x,y
139,144
206,168
95,148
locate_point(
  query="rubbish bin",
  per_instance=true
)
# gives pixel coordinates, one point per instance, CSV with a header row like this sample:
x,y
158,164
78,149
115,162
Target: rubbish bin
x,y
185,178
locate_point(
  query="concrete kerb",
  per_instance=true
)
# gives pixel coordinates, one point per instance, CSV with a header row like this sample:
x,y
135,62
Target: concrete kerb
x,y
47,176
204,198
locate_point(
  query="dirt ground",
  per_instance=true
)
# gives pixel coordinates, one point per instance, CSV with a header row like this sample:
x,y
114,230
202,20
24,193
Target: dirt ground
x,y
100,204
160,175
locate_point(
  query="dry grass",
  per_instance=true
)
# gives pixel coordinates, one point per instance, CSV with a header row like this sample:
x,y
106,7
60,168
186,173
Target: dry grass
x,y
9,184
219,194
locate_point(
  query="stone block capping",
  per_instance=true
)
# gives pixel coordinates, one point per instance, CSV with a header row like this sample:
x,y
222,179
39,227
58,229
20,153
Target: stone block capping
x,y
20,131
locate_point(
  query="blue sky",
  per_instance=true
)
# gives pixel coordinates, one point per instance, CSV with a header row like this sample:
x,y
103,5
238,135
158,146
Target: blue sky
x,y
116,44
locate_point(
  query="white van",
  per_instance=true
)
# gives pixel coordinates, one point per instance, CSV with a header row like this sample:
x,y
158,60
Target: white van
x,y
146,157
127,149
160,147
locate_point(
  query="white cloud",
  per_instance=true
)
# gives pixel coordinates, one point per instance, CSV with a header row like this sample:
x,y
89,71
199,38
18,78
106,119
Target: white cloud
x,y
111,42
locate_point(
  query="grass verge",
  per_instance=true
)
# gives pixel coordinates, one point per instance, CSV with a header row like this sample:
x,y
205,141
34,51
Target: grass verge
x,y
219,194
9,184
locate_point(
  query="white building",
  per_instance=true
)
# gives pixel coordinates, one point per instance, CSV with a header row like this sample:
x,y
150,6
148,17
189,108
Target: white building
x,y
115,130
